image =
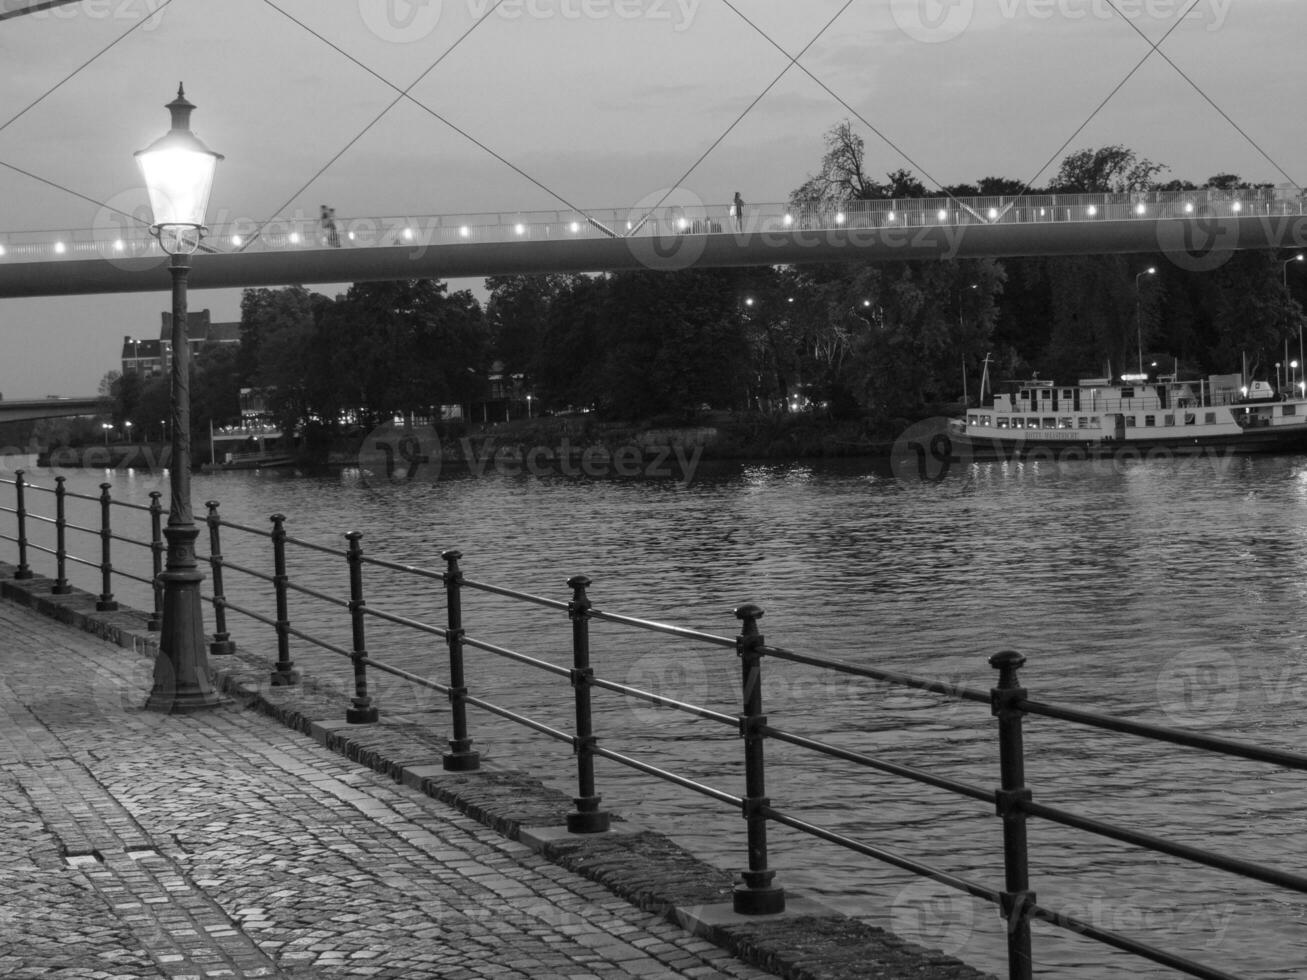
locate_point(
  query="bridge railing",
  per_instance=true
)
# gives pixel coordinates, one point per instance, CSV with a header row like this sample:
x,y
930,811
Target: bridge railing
x,y
121,239
760,891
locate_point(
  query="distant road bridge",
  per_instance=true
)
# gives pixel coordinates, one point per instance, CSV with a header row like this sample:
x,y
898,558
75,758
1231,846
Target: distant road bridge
x,y
48,408
1197,230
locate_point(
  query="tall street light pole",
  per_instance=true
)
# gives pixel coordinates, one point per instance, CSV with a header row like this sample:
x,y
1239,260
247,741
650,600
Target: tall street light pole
x,y
1284,279
178,171
1139,329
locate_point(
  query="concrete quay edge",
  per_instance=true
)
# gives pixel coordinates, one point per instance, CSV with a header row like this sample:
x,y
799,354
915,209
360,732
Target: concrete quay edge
x,y
808,941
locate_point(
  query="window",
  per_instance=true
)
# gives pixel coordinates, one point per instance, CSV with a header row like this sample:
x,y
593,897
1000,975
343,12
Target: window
x,y
1150,420
1066,423
1290,409
1168,420
1130,421
1032,423
1050,422
1066,394
1002,421
1127,392
973,420
1046,394
1209,418
1190,418
1082,423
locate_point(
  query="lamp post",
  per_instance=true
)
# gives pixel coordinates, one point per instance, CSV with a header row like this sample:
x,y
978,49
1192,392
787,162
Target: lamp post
x,y
127,434
178,172
1139,328
106,426
1284,269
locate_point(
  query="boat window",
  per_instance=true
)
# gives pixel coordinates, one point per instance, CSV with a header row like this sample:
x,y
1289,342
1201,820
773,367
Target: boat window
x,y
1032,423
1018,422
1002,421
1190,418
1050,422
1168,420
1127,392
1066,393
973,420
1150,420
1065,422
1209,418
1130,421
987,420
1046,394
1290,409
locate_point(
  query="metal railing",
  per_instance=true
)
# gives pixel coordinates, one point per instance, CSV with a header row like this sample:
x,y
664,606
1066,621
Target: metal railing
x,y
119,239
758,893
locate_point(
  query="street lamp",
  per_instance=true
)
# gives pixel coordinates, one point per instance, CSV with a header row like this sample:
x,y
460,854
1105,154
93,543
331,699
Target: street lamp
x,y
1284,269
1139,329
106,426
178,172
127,434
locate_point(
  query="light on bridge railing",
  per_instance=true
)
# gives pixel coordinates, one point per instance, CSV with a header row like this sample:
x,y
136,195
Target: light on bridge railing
x,y
891,216
520,228
574,227
1189,207
408,234
1236,207
1091,210
787,220
60,248
464,231
236,240
992,213
118,245
839,218
2,250
294,237
1140,209
942,215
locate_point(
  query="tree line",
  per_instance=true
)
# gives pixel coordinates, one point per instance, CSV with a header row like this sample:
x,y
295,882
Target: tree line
x,y
874,341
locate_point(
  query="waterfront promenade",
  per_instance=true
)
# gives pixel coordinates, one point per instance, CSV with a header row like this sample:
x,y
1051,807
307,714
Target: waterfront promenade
x,y
231,844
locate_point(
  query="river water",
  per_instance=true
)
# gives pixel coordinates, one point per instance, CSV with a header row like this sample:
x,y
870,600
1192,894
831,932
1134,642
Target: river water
x,y
1170,591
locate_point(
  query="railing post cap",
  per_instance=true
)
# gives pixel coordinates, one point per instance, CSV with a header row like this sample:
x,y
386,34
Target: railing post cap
x,y
211,504
748,610
106,486
353,535
1007,660
578,582
277,518
453,554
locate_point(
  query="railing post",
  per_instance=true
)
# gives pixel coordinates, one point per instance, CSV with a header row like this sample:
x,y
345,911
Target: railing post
x,y
460,757
588,818
1017,898
61,586
363,711
105,603
757,896
24,570
221,644
285,675
155,622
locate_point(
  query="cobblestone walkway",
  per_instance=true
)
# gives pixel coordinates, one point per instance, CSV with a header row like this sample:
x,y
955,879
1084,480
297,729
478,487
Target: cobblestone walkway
x,y
222,845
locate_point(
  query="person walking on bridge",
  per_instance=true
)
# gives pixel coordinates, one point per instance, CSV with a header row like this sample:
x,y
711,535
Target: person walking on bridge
x,y
738,208
329,226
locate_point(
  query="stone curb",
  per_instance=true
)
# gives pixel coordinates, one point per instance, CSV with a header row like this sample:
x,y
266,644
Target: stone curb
x,y
807,942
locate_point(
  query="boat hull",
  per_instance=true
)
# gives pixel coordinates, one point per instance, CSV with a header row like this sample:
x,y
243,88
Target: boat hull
x,y
1247,442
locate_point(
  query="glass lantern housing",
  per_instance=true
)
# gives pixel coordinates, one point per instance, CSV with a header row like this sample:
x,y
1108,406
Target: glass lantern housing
x,y
178,172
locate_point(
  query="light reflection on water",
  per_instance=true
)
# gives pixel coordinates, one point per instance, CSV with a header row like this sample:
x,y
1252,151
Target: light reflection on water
x,y
1170,591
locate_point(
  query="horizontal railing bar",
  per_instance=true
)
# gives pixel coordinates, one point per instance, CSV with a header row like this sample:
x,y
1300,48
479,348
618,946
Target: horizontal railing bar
x,y
1177,736
395,566
539,600
305,590
33,546
134,577
259,617
1128,945
656,627
871,762
671,777
131,506
114,536
523,720
472,641
241,568
223,522
888,676
41,518
69,525
69,494
88,562
888,857
649,696
317,641
1247,869
334,552
407,675
405,621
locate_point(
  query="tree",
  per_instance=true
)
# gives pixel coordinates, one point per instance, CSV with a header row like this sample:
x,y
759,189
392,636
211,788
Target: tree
x,y
1107,170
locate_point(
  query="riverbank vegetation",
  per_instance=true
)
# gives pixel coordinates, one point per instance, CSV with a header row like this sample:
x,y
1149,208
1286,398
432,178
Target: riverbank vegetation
x,y
801,356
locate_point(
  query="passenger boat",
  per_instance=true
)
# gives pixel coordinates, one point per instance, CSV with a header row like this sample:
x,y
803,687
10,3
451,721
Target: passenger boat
x,y
1135,415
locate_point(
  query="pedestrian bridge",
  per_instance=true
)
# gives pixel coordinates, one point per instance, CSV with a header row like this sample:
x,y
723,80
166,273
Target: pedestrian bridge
x,y
1198,230
48,408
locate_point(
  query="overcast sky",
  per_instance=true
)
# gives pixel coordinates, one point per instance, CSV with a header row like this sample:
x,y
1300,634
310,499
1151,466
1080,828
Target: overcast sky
x,y
598,104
